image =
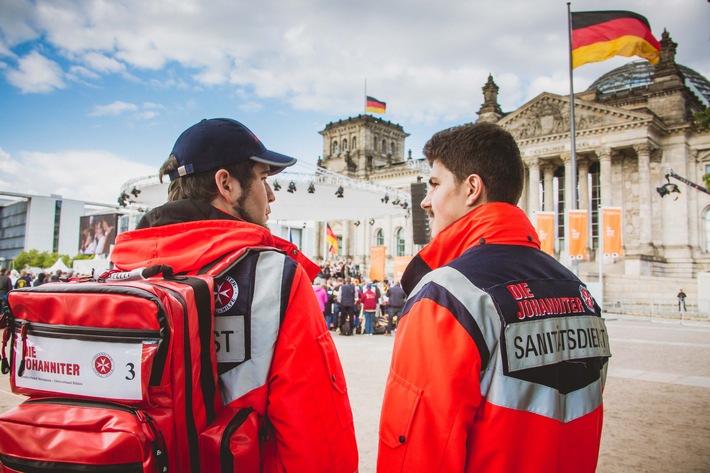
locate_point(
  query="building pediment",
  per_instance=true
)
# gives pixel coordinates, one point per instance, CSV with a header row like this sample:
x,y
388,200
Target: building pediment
x,y
549,114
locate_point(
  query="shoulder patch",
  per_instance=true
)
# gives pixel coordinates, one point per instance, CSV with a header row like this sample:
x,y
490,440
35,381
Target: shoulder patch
x,y
226,292
543,342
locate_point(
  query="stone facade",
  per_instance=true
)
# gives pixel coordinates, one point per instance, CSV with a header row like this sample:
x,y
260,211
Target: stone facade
x,y
626,143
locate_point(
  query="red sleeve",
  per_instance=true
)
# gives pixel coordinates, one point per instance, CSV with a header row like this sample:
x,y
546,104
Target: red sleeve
x,y
431,395
308,402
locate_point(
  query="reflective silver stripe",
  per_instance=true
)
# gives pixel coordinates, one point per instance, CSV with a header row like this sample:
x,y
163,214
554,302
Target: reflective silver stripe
x,y
538,399
477,301
265,322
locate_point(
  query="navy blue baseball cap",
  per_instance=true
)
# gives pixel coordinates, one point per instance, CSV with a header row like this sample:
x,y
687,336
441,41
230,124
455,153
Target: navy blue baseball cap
x,y
219,142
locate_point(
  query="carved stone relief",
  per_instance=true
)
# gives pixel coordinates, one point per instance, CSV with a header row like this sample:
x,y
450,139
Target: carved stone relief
x,y
550,116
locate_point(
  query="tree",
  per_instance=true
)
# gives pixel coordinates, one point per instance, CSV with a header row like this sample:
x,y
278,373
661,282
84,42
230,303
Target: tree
x,y
702,119
35,259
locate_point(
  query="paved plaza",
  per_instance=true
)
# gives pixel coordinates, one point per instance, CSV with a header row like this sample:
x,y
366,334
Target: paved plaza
x,y
657,404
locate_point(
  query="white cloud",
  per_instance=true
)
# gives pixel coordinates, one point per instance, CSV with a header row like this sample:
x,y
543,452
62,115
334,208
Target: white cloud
x,y
103,63
81,71
115,108
145,111
95,176
36,74
428,60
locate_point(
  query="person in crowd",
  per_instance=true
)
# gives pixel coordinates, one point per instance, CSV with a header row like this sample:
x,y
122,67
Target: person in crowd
x,y
395,302
681,300
328,285
359,326
321,294
55,277
14,276
486,371
41,279
25,280
5,288
218,205
347,297
369,306
337,283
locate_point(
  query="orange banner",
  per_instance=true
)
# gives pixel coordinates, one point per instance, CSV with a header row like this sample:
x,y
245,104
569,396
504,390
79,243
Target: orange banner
x,y
611,223
577,236
545,227
377,262
400,264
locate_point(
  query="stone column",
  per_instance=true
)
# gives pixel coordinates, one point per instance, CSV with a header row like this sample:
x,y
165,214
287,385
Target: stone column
x,y
583,178
523,201
569,181
549,193
693,207
643,152
604,156
534,186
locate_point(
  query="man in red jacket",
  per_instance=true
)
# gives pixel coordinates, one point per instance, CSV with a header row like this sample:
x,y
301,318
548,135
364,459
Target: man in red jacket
x,y
501,352
275,355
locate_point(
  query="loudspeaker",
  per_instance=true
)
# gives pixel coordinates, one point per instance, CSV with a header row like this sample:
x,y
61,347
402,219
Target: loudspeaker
x,y
420,220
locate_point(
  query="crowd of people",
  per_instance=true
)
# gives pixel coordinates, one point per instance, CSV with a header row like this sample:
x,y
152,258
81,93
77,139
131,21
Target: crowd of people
x,y
351,305
15,279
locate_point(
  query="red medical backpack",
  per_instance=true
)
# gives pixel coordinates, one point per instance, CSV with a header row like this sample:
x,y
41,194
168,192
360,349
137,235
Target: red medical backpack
x,y
120,374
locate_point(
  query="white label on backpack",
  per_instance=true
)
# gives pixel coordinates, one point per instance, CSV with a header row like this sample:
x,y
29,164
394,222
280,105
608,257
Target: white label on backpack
x,y
229,338
68,366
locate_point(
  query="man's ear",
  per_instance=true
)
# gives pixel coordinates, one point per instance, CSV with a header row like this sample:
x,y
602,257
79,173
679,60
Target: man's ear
x,y
225,185
476,190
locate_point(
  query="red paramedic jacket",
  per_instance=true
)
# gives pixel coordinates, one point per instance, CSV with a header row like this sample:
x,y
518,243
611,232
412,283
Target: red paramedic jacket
x,y
500,357
304,394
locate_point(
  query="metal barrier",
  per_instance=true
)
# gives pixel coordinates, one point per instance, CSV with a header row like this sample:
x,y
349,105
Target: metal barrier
x,y
660,309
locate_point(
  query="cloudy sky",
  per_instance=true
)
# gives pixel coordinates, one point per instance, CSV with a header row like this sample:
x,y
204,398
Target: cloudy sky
x,y
95,92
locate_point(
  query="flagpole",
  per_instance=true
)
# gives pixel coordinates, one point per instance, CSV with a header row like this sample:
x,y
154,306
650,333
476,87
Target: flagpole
x,y
573,167
600,255
365,98
571,112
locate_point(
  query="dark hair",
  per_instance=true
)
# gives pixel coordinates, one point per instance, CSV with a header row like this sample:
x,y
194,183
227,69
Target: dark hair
x,y
202,186
485,149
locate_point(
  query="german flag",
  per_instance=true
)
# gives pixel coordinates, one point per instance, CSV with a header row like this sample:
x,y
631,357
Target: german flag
x,y
375,106
332,239
599,35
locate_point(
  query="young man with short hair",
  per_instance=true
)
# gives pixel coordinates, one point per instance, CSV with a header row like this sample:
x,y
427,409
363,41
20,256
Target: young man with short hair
x,y
489,370
274,352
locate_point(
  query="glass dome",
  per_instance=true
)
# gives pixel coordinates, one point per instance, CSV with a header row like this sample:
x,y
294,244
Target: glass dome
x,y
638,74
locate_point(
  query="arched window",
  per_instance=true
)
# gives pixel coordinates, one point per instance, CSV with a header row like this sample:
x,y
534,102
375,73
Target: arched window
x,y
399,241
374,143
335,147
345,145
384,147
706,226
354,142
392,148
379,237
